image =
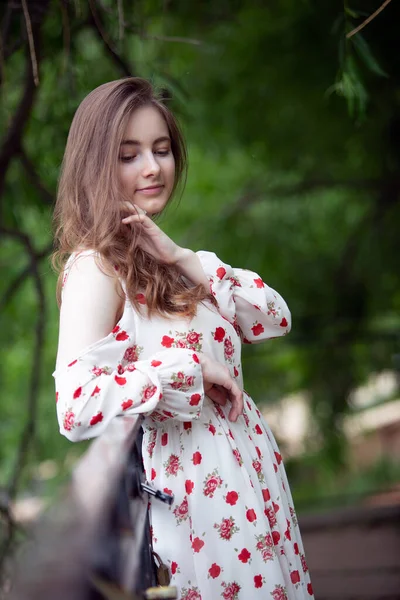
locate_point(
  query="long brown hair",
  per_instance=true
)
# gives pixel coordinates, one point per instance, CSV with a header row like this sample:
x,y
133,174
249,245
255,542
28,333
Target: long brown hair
x,y
87,213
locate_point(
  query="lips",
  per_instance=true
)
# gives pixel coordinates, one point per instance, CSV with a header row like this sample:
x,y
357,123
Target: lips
x,y
150,187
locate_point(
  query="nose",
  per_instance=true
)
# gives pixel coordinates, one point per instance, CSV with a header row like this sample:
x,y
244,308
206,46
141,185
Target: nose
x,y
150,166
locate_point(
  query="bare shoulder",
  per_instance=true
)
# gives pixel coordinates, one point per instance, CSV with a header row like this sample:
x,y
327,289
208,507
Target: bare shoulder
x,y
86,274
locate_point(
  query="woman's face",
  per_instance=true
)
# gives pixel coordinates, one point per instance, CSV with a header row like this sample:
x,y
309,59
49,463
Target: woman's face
x,y
146,163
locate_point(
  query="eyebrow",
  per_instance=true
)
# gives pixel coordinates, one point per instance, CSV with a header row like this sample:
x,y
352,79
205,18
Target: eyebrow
x,y
164,138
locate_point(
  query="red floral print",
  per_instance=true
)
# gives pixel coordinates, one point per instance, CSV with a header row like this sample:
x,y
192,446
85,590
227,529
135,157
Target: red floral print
x,y
197,544
259,282
189,485
251,515
126,404
172,465
244,555
231,498
279,593
181,511
69,420
194,399
196,458
265,545
219,334
190,594
121,336
96,418
167,341
211,483
295,577
226,528
257,329
258,581
214,571
221,272
231,590
120,380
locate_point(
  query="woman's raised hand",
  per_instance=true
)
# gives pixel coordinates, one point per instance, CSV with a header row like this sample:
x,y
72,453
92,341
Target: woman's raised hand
x,y
220,386
155,241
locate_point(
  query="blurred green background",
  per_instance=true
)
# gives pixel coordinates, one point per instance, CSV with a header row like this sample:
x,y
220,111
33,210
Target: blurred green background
x,y
294,153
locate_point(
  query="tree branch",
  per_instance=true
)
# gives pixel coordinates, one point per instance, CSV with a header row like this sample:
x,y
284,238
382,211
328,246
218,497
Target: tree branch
x,y
29,428
368,20
98,28
20,278
34,178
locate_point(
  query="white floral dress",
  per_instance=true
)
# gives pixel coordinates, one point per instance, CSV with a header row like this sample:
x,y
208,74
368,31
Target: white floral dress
x,y
232,531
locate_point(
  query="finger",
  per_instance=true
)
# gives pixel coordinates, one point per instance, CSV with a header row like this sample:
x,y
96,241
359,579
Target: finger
x,y
217,395
134,219
236,398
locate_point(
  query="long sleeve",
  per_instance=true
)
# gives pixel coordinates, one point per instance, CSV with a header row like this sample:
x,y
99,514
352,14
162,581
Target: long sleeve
x,y
257,311
105,379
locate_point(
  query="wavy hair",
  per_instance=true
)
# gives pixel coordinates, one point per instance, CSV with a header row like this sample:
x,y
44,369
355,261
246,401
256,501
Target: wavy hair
x,y
88,208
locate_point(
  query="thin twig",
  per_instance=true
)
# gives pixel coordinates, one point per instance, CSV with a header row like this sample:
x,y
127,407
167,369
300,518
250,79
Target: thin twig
x,y
20,278
120,19
97,26
368,20
32,51
166,38
34,178
66,33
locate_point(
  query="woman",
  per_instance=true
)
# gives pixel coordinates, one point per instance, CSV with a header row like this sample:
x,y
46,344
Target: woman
x,y
149,327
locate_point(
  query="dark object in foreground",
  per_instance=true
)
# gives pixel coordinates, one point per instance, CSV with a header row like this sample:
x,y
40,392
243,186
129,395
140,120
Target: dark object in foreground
x,y
95,543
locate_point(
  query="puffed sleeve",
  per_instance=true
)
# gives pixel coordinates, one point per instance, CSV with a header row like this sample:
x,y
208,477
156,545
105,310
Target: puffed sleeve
x,y
257,311
105,378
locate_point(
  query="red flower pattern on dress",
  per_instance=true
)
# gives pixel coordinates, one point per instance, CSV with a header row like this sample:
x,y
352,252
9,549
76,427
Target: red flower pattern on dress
x,y
194,399
271,515
303,563
219,334
257,329
295,577
211,483
214,571
184,450
181,512
126,404
196,458
251,515
121,336
221,272
238,456
189,485
172,465
191,593
244,555
96,418
148,392
69,420
226,528
265,545
197,544
279,593
231,590
229,350
231,498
